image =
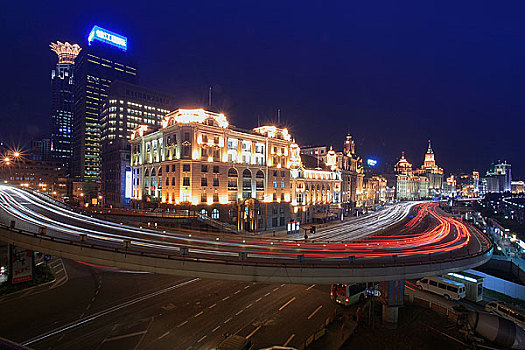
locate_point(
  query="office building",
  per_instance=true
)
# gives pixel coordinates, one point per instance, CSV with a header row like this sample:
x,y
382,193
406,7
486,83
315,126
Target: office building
x,y
499,178
62,101
103,61
126,107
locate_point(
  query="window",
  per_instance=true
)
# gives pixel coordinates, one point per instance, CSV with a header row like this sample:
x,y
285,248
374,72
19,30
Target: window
x,y
274,184
215,214
275,173
232,172
204,152
259,175
442,286
246,180
186,181
215,198
204,168
167,181
216,182
186,136
433,283
204,138
146,172
203,197
185,167
204,212
282,196
167,168
173,167
282,173
452,289
173,181
282,184
204,181
216,169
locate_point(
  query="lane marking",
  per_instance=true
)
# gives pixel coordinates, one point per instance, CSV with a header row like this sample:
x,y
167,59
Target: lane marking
x,y
258,300
315,311
226,298
124,336
313,285
249,306
275,289
182,324
252,333
212,306
289,340
201,339
214,329
239,312
267,294
282,285
197,315
165,334
228,320
106,312
285,305
246,287
237,292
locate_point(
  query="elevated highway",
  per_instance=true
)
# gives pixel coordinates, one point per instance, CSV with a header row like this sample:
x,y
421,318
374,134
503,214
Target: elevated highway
x,y
428,243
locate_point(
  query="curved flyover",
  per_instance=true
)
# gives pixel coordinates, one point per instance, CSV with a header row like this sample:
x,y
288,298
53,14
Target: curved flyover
x,y
429,243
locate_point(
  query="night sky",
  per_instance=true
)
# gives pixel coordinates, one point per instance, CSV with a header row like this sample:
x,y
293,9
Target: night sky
x,y
392,75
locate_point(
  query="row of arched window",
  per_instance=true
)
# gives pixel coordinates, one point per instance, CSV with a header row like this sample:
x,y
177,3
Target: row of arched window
x,y
245,174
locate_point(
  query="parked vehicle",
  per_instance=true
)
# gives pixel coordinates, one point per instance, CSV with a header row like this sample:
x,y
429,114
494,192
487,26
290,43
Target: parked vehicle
x,y
442,286
507,311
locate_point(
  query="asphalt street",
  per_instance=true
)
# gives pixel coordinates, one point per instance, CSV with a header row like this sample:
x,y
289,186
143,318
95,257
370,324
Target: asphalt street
x,y
106,308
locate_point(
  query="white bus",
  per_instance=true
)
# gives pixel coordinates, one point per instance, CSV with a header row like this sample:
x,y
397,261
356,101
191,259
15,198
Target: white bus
x,y
446,288
513,314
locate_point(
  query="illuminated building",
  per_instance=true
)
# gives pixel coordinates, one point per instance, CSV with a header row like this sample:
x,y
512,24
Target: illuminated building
x,y
450,186
126,107
432,172
197,161
469,184
374,191
517,187
103,61
316,189
408,185
403,166
498,178
46,176
350,166
62,101
41,150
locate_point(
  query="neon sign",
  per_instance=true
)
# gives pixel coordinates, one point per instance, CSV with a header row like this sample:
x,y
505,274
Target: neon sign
x,y
371,162
108,37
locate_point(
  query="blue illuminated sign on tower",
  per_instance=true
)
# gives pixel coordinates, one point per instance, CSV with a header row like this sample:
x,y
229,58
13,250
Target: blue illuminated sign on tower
x,y
371,162
108,37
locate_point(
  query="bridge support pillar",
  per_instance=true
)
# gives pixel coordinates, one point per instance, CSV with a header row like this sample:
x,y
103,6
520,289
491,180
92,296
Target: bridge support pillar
x,y
390,315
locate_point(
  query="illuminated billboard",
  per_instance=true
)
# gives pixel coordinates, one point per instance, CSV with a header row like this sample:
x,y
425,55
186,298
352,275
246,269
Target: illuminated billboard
x,y
371,162
21,261
129,183
108,37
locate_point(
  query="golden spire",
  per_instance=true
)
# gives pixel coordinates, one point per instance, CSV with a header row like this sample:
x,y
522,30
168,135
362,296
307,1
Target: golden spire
x,y
66,52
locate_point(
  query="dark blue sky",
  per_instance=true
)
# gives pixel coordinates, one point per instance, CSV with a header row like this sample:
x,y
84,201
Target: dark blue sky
x,y
393,75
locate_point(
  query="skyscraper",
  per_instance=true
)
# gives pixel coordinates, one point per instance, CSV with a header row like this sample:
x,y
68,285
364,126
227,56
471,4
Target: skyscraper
x,y
103,61
127,107
62,101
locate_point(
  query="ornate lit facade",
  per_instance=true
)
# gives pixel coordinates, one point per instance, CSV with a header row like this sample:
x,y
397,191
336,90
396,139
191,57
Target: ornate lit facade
x,y
409,186
197,159
432,172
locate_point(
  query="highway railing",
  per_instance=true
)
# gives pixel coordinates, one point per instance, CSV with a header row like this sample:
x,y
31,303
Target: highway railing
x,y
245,258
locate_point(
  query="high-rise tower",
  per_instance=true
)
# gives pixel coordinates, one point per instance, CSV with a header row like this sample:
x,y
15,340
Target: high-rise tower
x,y
103,61
62,101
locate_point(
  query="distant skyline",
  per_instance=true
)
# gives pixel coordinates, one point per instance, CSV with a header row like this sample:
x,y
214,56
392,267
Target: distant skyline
x,y
393,76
